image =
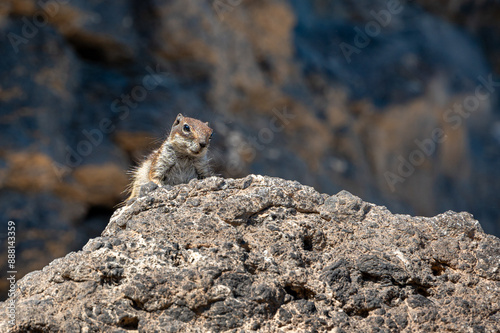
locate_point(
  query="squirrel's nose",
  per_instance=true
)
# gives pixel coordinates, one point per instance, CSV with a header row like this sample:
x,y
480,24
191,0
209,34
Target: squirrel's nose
x,y
203,144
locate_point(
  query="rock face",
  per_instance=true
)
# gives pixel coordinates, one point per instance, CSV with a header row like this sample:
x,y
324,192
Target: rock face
x,y
87,85
266,254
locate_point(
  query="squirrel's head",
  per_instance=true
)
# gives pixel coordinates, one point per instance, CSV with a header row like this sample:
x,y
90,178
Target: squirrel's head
x,y
190,136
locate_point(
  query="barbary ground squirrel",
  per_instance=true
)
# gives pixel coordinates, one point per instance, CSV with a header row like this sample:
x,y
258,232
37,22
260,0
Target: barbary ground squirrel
x,y
181,157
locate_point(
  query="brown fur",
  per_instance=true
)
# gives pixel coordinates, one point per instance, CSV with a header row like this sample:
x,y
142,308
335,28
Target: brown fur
x,y
181,157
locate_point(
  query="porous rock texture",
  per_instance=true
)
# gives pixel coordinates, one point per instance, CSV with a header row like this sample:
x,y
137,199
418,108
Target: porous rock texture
x,y
270,255
274,79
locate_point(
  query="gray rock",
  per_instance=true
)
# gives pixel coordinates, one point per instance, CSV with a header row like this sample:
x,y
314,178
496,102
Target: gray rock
x,y
84,94
265,254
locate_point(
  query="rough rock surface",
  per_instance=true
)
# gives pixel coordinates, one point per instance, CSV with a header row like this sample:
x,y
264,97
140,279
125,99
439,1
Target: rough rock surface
x,y
68,131
266,254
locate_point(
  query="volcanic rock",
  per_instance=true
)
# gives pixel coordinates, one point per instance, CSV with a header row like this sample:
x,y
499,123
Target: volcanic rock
x,y
269,255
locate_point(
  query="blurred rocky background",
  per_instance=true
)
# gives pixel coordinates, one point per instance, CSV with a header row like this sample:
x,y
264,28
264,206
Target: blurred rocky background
x,y
396,102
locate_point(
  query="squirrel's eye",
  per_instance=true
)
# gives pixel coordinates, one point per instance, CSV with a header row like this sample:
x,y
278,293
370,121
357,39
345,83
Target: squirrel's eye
x,y
210,138
186,128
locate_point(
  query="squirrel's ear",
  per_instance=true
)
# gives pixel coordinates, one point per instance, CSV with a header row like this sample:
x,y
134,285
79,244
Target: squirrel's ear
x,y
178,119
207,123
